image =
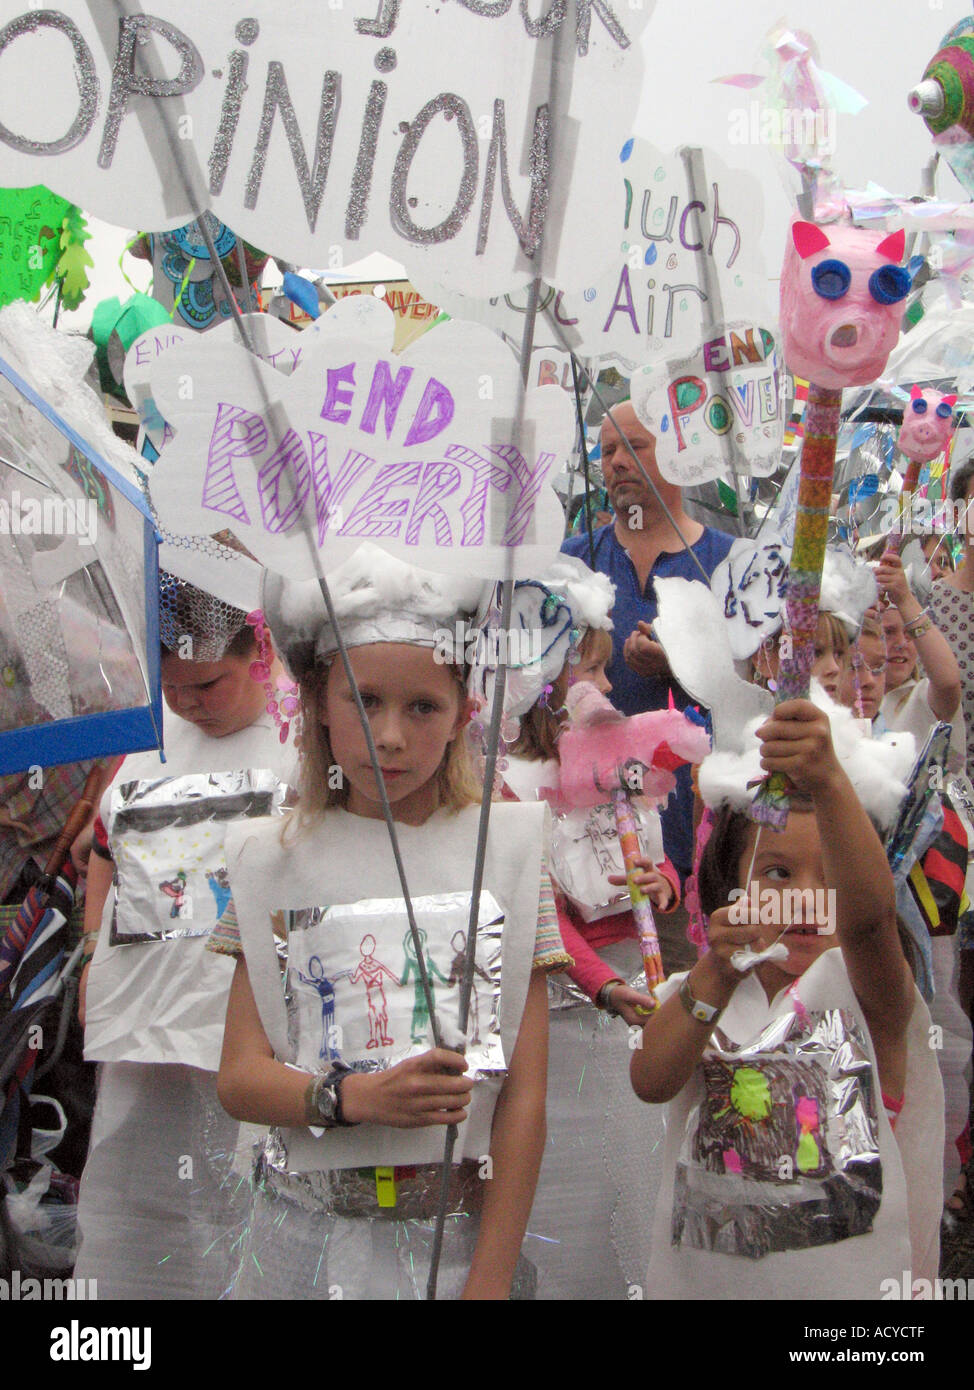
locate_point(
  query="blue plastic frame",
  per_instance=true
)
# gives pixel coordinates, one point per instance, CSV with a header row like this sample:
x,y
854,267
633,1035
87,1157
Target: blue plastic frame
x,y
110,731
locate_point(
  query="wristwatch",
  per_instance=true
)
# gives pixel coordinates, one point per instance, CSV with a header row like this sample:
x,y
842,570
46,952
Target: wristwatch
x,y
696,1008
325,1098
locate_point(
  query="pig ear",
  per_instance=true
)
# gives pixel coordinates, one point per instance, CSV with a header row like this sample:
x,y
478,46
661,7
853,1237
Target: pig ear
x,y
893,246
915,392
808,239
949,400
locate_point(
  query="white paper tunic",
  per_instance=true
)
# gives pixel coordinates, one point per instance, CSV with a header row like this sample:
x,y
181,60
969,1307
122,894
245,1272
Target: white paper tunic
x,y
900,1233
347,865
165,1000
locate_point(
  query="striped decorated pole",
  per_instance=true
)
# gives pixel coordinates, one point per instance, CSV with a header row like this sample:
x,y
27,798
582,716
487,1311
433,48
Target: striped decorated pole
x,y
797,655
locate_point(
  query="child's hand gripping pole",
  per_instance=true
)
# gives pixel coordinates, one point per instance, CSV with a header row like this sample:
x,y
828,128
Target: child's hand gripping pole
x,y
641,908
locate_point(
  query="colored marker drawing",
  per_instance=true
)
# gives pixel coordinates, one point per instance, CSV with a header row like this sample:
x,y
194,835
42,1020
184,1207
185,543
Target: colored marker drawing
x,y
175,888
220,888
370,972
325,989
421,1016
459,943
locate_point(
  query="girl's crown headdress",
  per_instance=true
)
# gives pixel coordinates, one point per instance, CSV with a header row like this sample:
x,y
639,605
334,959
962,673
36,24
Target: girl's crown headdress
x,y
206,590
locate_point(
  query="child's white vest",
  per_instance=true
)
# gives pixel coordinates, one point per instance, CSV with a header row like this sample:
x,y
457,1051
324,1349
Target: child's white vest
x,y
155,994
346,864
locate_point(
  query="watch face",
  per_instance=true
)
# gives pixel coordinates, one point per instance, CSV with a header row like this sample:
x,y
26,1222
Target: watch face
x,y
326,1102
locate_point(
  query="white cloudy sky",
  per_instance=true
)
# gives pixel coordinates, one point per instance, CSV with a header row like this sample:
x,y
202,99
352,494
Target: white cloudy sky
x,y
878,46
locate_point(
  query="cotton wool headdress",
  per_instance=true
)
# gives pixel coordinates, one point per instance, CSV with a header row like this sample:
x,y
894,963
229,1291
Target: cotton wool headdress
x,y
878,766
751,583
377,598
549,617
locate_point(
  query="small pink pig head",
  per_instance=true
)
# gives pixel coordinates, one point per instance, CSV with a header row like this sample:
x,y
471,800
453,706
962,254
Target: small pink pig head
x,y
928,422
841,292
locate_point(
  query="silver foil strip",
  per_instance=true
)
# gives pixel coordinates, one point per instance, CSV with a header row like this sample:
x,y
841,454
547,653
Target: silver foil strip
x,y
354,1191
782,1151
146,807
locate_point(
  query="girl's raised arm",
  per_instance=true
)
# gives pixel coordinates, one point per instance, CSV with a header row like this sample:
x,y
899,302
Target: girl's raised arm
x,y
797,740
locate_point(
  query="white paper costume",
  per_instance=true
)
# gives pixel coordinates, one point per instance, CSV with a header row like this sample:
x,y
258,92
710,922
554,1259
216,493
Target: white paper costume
x,y
783,1175
157,1208
749,1203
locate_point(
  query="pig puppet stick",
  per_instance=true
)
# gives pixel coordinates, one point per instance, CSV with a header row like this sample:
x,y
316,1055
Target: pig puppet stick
x,y
840,319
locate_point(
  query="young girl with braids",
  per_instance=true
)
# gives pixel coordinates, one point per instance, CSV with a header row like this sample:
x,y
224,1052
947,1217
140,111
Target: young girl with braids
x,y
584,1225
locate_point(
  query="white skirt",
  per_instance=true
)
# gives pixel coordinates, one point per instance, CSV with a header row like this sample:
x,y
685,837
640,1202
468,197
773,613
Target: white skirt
x,y
161,1204
589,1229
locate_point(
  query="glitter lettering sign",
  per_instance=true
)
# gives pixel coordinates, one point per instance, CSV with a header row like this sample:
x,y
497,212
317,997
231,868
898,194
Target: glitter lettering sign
x,y
424,454
439,133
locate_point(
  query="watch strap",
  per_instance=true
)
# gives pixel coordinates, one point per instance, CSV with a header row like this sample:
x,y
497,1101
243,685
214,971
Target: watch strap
x,y
696,1008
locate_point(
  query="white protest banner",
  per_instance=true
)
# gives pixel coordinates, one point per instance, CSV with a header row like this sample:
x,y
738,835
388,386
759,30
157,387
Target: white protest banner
x,y
467,138
723,400
428,454
681,257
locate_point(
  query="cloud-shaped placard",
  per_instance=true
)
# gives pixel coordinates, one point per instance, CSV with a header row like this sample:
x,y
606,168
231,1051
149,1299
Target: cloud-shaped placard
x,y
468,139
720,403
433,455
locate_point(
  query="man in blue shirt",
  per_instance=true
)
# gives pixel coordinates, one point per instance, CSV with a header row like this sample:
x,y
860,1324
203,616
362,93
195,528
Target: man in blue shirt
x,y
634,550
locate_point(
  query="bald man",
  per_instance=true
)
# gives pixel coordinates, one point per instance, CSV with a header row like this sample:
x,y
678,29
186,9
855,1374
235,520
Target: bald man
x,y
635,549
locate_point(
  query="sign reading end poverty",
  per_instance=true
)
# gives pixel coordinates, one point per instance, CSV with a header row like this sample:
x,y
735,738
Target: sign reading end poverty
x,y
427,455
439,133
720,402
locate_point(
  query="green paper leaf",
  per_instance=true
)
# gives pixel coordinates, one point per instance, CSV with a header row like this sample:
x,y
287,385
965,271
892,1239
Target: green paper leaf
x,y
30,228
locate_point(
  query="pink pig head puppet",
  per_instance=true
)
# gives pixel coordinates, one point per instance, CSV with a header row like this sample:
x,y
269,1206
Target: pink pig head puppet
x,y
928,422
841,289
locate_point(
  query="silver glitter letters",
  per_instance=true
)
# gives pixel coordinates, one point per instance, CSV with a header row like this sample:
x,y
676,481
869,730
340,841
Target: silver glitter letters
x,y
312,182
85,75
132,30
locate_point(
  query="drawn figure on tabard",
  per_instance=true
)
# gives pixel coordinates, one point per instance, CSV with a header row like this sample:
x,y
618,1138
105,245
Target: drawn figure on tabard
x,y
600,828
175,888
220,888
459,943
325,989
370,971
421,1016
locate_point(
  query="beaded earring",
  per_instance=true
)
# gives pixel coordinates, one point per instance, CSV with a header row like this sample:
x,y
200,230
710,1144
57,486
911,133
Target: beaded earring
x,y
282,701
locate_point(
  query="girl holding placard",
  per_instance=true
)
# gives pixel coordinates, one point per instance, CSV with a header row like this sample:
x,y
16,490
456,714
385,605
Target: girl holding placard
x,y
347,1189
